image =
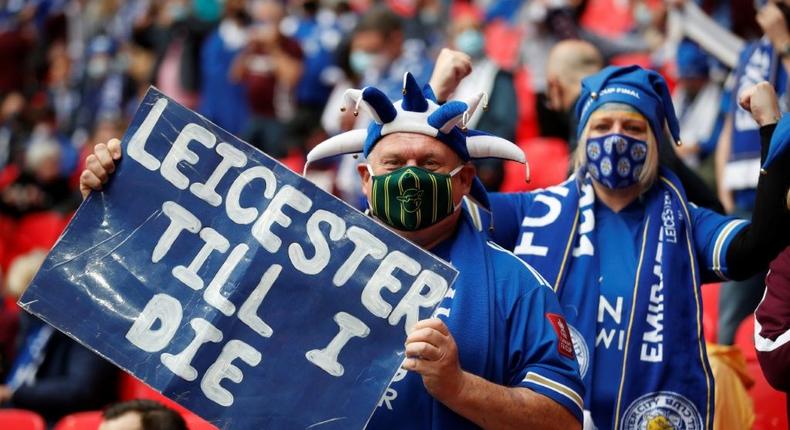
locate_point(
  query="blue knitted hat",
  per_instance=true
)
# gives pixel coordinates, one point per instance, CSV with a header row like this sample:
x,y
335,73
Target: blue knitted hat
x,y
644,90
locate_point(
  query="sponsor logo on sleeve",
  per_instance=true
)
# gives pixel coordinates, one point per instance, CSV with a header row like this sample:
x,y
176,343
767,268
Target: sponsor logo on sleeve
x,y
564,342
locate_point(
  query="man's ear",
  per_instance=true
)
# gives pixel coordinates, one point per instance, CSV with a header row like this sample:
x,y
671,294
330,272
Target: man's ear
x,y
365,178
554,93
467,176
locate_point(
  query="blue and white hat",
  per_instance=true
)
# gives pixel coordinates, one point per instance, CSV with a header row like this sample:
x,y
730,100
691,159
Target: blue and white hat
x,y
418,112
644,90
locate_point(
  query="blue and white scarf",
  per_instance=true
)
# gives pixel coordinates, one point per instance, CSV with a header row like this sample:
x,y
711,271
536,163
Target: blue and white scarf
x,y
758,62
675,386
30,355
472,295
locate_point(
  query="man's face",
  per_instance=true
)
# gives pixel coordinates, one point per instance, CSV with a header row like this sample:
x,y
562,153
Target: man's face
x,y
376,43
399,150
371,42
604,121
48,170
127,421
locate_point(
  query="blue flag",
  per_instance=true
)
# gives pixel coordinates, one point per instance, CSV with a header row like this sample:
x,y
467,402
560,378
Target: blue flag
x,y
232,285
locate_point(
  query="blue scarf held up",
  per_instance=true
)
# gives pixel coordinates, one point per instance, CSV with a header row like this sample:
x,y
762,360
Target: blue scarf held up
x,y
757,63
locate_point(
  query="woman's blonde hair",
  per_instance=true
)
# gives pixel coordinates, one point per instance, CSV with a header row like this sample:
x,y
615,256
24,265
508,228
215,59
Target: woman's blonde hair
x,y
649,172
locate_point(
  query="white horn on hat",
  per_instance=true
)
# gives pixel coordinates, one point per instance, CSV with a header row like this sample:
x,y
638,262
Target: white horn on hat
x,y
350,142
474,102
448,126
487,146
353,97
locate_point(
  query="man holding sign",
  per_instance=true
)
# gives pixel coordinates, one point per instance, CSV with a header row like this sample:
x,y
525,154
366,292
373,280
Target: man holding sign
x,y
498,354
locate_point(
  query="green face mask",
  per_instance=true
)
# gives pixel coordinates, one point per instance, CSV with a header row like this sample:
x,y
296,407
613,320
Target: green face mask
x,y
412,198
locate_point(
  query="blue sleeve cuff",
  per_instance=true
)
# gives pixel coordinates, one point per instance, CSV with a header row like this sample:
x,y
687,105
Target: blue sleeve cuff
x,y
561,389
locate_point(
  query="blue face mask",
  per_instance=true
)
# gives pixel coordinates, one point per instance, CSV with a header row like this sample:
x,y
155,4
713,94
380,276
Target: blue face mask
x,y
362,61
616,160
470,42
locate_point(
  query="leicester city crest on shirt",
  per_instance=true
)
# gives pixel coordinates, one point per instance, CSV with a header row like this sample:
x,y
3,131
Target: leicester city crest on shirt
x,y
662,410
581,350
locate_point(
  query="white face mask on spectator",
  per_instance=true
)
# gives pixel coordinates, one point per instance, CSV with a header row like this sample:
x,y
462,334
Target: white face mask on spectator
x,y
233,35
362,61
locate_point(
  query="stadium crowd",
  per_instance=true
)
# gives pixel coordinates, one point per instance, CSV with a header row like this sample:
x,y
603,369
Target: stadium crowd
x,y
274,72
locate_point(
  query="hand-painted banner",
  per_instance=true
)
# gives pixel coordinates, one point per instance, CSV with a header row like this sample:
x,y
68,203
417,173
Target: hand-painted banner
x,y
232,285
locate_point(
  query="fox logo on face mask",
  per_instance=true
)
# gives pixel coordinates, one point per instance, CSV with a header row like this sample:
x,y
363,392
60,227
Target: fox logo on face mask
x,y
411,200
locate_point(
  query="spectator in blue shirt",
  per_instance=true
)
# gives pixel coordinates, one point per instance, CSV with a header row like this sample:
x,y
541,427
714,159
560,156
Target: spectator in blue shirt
x,y
222,100
626,251
498,353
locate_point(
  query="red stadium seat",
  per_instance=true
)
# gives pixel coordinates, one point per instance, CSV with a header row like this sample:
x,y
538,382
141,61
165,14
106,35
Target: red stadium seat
x,y
19,419
131,388
608,17
294,161
8,175
548,162
7,231
710,311
502,43
39,230
527,126
194,422
80,421
744,338
770,406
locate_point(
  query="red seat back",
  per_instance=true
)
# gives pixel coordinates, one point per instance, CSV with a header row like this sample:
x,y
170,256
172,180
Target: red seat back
x,y
744,338
80,421
527,125
548,164
19,419
194,422
7,233
608,17
770,406
39,230
710,311
502,43
131,388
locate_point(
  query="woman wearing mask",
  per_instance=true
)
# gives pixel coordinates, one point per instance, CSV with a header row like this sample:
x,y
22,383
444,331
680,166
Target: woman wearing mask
x,y
626,252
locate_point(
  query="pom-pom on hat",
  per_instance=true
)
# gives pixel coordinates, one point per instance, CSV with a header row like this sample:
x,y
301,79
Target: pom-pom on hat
x,y
644,90
418,112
